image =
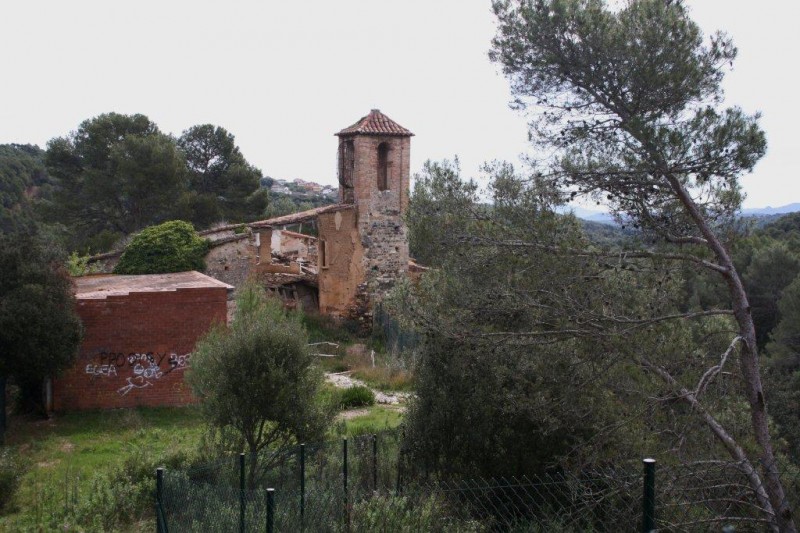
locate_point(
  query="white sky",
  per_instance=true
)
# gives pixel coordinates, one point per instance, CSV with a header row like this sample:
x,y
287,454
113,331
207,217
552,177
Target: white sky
x,y
284,76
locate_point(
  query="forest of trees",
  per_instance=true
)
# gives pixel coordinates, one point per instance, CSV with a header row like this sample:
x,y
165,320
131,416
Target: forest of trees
x,y
543,347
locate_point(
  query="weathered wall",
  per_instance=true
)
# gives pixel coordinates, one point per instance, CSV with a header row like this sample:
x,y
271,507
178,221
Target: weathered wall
x,y
384,237
231,262
136,348
379,228
339,281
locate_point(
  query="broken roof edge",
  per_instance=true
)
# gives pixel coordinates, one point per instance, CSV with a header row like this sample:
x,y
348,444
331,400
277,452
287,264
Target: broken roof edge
x,y
302,216
295,235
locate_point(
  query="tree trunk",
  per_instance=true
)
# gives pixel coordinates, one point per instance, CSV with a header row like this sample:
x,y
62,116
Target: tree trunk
x,y
251,478
748,362
2,410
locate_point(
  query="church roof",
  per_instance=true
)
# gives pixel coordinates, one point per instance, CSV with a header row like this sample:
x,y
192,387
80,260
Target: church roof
x,y
376,123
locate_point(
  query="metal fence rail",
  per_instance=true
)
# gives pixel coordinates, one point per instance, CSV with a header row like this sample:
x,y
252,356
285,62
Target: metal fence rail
x,y
363,484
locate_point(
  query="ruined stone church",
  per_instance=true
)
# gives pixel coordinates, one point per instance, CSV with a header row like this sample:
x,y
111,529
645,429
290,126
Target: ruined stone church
x,y
361,246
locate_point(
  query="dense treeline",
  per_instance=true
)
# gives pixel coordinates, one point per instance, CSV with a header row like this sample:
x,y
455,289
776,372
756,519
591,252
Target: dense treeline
x,y
117,174
22,177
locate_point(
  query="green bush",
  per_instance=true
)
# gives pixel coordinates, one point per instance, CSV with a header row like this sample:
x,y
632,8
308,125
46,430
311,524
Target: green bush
x,y
404,515
169,247
11,470
356,396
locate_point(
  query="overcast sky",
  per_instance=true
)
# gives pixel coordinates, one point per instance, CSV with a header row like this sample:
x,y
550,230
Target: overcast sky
x,y
284,76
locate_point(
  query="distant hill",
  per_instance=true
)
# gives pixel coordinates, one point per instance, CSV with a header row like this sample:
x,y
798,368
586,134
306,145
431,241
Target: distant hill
x,y
789,208
760,214
600,217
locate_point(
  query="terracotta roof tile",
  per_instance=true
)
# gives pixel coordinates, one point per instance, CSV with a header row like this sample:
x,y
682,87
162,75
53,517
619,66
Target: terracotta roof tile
x,y
376,123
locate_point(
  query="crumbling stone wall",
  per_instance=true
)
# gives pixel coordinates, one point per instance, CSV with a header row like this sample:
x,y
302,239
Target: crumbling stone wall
x,y
232,261
384,238
232,258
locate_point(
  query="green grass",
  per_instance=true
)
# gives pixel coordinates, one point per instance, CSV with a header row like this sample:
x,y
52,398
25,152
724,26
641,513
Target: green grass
x,y
385,378
377,418
323,329
65,452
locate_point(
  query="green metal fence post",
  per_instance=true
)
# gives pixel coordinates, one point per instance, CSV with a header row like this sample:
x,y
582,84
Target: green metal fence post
x,y
400,463
2,411
649,497
270,510
161,524
375,462
302,484
344,477
241,493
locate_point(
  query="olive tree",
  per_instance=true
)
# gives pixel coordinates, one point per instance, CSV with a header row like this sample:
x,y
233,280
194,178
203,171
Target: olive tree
x,y
627,101
257,378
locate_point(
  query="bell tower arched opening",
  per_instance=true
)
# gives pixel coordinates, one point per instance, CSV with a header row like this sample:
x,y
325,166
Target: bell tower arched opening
x,y
384,165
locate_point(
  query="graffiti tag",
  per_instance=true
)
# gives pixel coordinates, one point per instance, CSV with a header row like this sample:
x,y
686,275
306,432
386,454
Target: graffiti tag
x,y
144,368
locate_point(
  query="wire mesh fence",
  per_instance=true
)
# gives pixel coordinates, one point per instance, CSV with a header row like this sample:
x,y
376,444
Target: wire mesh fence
x,y
364,484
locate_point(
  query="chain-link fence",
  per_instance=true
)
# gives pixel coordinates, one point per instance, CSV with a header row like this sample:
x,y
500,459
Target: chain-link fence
x,y
364,484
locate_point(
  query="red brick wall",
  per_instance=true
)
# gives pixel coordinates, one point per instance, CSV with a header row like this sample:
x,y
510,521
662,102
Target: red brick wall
x,y
136,349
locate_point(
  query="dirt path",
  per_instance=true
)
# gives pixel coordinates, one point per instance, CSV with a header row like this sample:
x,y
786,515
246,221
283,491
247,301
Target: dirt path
x,y
343,380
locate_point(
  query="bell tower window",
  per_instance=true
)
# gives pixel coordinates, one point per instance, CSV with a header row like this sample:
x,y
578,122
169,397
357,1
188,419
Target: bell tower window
x,y
383,166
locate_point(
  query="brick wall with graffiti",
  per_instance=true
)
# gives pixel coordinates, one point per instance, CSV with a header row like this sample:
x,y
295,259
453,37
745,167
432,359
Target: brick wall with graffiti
x,y
137,347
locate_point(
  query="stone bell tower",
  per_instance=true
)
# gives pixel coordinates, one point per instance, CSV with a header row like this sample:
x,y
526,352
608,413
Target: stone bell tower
x,y
374,177
374,158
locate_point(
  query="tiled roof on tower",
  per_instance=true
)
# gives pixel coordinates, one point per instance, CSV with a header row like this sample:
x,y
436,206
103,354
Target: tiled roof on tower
x,y
376,123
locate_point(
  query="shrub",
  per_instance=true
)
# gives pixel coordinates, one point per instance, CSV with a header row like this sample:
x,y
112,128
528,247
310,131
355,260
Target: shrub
x,y
406,515
169,247
356,396
11,470
78,265
391,378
